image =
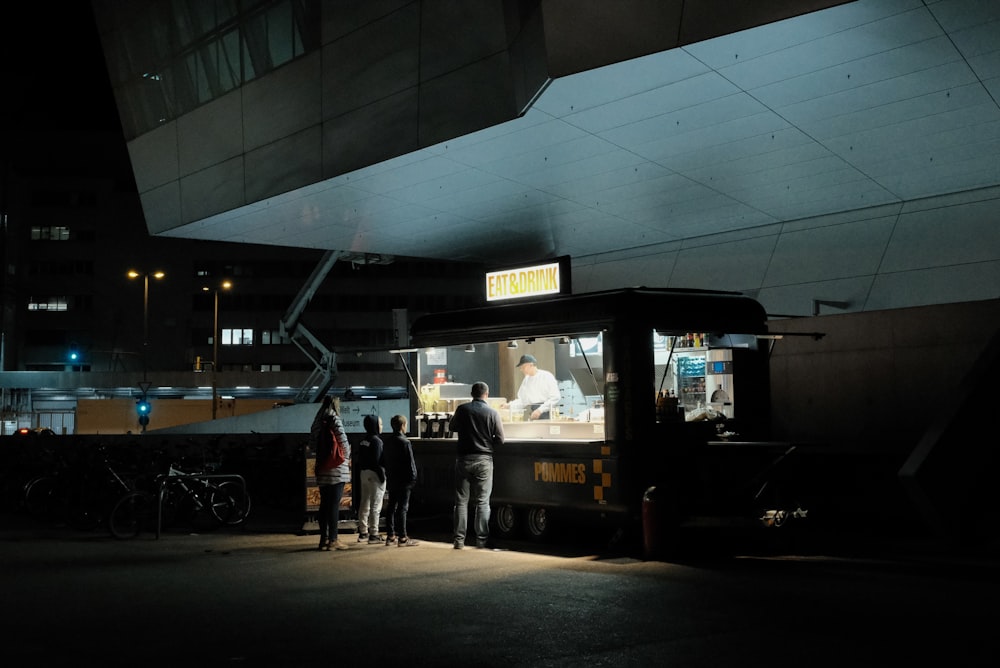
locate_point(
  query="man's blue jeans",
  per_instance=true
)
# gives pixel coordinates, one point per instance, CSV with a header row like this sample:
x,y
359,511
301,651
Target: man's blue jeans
x,y
473,479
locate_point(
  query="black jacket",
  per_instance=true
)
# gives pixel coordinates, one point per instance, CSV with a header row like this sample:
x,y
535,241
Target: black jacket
x,y
400,467
368,455
478,427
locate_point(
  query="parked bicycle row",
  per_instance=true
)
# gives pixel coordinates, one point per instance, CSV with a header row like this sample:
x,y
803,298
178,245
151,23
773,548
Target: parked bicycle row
x,y
126,490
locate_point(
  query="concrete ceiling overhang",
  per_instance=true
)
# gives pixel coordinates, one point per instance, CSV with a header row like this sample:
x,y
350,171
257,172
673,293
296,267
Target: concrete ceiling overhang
x,y
863,104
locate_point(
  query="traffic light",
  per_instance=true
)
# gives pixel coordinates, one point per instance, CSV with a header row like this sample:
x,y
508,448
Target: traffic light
x,y
142,407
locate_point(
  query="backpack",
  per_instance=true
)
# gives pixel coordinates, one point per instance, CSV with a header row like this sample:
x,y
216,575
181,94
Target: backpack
x,y
330,446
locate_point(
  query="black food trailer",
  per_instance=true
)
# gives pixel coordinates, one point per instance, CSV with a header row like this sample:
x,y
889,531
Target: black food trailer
x,y
662,416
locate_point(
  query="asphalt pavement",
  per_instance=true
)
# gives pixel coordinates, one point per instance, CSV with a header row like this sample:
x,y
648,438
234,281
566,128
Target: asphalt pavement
x,y
270,598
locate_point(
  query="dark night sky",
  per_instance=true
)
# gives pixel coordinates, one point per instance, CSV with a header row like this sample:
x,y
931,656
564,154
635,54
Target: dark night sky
x,y
57,113
53,69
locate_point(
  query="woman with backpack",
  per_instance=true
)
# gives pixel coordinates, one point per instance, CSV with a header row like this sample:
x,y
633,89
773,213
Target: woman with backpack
x,y
333,470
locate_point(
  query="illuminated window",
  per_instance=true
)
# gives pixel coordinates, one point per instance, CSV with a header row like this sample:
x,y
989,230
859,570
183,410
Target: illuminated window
x,y
47,304
49,233
237,337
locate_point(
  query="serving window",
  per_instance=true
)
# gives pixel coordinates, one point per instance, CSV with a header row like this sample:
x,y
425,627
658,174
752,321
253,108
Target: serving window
x,y
696,377
543,388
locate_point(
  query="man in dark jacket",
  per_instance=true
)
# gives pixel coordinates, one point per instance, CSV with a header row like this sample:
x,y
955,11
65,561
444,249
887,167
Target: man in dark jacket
x,y
479,432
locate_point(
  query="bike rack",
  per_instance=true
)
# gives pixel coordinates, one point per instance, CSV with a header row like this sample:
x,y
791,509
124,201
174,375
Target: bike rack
x,y
167,479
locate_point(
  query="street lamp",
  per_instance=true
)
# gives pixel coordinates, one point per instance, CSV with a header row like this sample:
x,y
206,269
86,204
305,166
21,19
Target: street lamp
x,y
224,285
133,274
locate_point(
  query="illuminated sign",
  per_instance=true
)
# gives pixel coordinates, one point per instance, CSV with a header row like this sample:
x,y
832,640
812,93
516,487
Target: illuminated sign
x,y
538,280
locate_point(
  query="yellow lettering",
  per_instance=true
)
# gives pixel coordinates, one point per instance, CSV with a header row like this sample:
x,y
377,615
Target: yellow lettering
x,y
574,474
526,282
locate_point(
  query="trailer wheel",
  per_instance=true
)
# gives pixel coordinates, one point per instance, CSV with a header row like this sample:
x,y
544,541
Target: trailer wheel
x,y
537,523
504,520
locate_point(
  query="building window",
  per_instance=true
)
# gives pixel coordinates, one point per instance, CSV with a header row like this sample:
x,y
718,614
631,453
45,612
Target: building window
x,y
269,337
173,57
237,337
49,233
63,198
83,303
61,268
270,367
47,304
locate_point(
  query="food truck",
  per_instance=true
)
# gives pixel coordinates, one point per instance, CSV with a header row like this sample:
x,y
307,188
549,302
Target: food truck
x,y
663,399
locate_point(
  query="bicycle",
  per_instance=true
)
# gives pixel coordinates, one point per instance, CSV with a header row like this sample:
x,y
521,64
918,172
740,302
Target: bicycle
x,y
81,493
191,497
134,512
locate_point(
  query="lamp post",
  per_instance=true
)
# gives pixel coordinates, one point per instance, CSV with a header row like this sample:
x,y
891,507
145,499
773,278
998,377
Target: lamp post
x,y
134,274
224,285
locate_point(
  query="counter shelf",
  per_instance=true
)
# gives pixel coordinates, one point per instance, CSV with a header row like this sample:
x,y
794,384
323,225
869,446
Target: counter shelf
x,y
562,430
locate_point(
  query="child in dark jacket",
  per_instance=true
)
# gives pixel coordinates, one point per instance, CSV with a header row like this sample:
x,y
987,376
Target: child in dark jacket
x,y
371,474
401,476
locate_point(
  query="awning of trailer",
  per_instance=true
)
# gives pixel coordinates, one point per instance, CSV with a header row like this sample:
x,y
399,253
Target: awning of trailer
x,y
662,309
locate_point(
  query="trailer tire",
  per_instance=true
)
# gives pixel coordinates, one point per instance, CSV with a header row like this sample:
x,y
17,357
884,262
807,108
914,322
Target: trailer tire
x,y
537,523
505,520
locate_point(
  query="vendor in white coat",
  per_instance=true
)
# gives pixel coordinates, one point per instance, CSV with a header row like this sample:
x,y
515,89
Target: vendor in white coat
x,y
539,390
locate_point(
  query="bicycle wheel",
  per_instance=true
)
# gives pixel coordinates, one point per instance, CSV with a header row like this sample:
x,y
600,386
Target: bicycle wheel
x,y
41,498
220,505
131,514
239,499
206,506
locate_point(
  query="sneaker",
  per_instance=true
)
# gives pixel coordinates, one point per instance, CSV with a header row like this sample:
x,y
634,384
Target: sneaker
x,y
338,545
362,537
459,545
374,538
407,542
390,540
324,546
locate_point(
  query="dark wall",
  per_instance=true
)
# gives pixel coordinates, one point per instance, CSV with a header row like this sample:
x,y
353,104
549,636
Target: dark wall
x,y
901,403
875,380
